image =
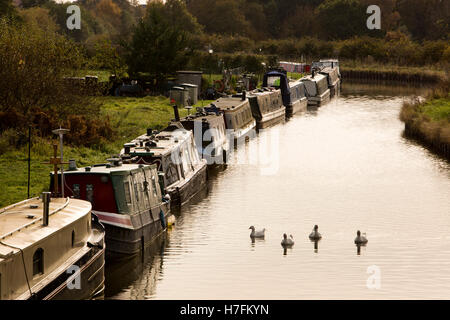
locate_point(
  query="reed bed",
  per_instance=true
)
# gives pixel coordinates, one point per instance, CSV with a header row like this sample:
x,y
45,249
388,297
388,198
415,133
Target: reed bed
x,y
428,120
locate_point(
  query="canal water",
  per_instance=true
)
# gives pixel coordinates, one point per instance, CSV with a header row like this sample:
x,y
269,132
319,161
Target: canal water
x,y
345,166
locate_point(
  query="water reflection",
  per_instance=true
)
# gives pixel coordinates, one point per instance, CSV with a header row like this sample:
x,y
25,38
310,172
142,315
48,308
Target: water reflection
x,y
345,166
136,277
316,245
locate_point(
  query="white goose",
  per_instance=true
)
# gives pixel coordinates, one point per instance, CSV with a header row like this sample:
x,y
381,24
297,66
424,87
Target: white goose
x,y
315,235
257,233
287,242
360,239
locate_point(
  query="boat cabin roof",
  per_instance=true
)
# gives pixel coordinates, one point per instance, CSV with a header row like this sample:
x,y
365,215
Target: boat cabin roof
x,y
106,168
160,144
201,116
21,223
230,103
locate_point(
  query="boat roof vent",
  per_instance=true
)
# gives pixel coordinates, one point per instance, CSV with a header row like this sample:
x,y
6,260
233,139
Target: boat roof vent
x,y
114,162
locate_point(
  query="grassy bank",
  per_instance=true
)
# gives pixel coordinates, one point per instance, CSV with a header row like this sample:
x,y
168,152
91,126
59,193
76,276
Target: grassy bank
x,y
429,120
361,70
129,116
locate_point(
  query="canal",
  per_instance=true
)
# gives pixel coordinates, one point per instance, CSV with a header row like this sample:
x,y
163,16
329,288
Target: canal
x,y
345,166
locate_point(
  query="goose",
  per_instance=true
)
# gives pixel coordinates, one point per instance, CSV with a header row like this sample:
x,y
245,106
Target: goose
x,y
257,233
287,242
315,235
360,239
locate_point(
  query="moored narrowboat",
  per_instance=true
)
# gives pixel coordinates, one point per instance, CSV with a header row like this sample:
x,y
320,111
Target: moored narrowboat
x,y
298,96
238,117
334,82
267,107
174,152
209,134
327,63
317,91
291,92
51,248
127,198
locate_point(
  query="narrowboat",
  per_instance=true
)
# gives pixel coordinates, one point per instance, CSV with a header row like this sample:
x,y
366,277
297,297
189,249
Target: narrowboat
x,y
327,63
126,198
317,91
291,92
267,107
239,121
174,152
334,82
209,134
51,248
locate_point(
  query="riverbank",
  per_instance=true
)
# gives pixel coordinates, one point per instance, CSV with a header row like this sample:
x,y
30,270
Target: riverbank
x,y
429,120
128,115
354,70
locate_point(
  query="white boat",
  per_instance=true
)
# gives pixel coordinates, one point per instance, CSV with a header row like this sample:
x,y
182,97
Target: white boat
x,y
317,91
53,251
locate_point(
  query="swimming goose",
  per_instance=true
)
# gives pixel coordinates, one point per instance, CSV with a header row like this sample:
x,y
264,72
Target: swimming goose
x,y
287,241
360,239
257,233
315,235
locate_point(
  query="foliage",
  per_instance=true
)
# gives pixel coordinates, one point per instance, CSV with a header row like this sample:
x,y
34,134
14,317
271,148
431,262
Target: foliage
x,y
341,19
107,58
35,92
161,40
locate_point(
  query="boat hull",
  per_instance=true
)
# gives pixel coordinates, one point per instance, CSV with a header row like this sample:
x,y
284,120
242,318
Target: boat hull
x,y
319,100
90,277
130,240
271,119
335,89
298,106
183,193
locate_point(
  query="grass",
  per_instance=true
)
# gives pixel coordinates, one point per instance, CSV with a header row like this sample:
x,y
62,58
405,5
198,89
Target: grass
x,y
437,109
103,75
128,115
354,65
429,120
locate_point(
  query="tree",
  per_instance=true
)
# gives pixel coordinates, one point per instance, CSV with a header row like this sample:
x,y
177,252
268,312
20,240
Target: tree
x,y
426,19
7,9
342,19
33,67
221,16
107,57
161,41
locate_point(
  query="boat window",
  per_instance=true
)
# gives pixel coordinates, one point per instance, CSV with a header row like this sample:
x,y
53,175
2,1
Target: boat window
x,y
76,191
171,174
126,187
136,192
38,262
90,193
273,81
73,238
154,185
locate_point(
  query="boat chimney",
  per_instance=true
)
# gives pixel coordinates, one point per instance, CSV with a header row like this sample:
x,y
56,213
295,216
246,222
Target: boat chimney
x,y
244,95
149,131
72,165
46,201
177,115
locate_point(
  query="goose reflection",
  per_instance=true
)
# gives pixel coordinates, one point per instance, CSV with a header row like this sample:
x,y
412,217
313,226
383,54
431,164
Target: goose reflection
x,y
316,245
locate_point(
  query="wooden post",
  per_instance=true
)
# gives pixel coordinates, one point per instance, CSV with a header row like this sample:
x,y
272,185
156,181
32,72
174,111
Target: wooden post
x,y
29,161
55,161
